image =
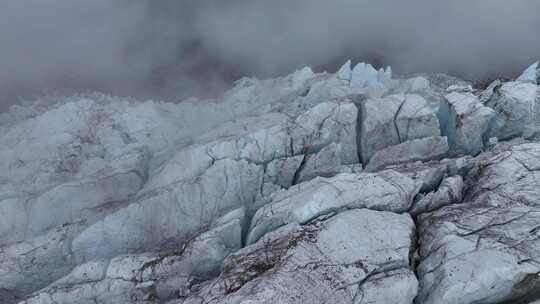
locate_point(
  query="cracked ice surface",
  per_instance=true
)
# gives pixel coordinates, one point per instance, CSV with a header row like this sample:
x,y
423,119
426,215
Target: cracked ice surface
x,y
355,187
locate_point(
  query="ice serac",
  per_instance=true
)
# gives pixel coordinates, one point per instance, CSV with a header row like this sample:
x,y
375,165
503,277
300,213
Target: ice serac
x,y
357,256
227,169
386,190
428,174
91,177
517,107
281,171
417,84
365,75
345,72
262,196
326,123
147,277
415,119
530,75
425,149
377,127
465,121
392,120
449,192
490,239
324,163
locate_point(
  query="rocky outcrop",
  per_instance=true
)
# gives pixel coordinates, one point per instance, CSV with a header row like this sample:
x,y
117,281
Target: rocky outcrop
x,y
358,187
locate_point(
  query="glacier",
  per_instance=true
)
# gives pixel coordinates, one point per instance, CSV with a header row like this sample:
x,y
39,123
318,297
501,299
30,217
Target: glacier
x,y
356,187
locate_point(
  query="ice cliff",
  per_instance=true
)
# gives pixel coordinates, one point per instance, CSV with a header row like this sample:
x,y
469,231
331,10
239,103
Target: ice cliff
x,y
356,187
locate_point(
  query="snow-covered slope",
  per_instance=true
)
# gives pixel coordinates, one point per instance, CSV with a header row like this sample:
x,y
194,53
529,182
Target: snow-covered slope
x,y
358,187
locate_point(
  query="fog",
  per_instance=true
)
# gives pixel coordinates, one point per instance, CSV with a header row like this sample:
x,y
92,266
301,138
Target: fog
x,y
173,49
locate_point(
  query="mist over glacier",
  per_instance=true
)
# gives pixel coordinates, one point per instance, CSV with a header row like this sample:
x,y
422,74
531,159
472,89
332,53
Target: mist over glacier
x,y
173,49
388,181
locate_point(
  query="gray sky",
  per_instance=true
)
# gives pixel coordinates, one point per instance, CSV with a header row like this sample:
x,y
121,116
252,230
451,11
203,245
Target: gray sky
x,y
185,47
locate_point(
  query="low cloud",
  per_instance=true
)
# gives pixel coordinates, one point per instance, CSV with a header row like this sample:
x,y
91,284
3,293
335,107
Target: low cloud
x,y
176,48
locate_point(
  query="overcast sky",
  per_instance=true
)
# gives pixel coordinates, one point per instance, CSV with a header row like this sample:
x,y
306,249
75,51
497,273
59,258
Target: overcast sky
x,y
188,47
